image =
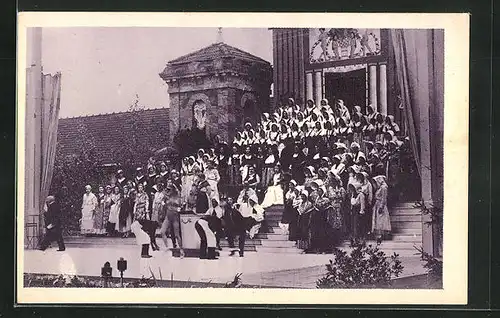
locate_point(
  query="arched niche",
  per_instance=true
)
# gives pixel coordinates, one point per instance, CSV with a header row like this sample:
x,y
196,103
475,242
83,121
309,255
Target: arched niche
x,y
200,108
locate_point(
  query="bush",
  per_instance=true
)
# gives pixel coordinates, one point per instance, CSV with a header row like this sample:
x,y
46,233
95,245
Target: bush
x,y
365,267
188,141
433,265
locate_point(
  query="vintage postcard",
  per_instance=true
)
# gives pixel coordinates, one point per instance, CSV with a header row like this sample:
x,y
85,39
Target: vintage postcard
x,y
278,158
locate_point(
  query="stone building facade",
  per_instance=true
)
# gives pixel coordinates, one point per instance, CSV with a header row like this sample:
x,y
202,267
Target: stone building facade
x,y
217,89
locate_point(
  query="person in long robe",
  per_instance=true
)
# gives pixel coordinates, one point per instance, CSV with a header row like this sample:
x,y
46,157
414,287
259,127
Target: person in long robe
x,y
126,210
189,175
288,212
356,206
247,160
171,223
234,164
297,163
335,217
99,228
274,192
213,178
158,203
304,230
89,205
319,225
268,168
108,202
250,182
114,211
222,155
381,222
143,215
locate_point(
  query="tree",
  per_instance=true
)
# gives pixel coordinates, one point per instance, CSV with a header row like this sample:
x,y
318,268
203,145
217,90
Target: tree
x,y
188,141
71,174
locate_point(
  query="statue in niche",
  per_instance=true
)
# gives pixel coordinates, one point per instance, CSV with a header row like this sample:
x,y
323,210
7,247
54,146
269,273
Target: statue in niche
x,y
200,113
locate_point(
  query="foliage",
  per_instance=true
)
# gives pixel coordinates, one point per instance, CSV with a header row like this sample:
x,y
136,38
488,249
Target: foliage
x,y
433,265
141,142
71,174
366,266
434,211
74,281
188,141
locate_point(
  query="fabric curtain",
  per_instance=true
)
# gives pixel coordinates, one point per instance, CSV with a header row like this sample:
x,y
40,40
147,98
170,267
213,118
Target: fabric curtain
x,y
51,98
406,64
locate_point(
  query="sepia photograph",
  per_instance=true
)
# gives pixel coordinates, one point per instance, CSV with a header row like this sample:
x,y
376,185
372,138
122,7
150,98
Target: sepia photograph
x,y
267,159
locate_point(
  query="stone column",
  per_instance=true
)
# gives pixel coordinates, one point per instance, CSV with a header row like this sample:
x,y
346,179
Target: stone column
x,y
383,88
309,86
373,86
318,85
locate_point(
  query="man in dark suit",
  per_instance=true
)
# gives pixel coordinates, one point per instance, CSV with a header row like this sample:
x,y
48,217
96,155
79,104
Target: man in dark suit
x,y
53,225
203,198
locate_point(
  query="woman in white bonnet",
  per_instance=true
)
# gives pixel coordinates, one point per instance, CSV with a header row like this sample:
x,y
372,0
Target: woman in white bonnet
x,y
381,220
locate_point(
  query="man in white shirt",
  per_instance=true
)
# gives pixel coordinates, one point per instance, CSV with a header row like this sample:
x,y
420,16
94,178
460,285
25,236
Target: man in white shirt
x,y
252,213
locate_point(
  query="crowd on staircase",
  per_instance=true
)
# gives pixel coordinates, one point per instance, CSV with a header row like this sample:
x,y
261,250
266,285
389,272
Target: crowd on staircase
x,y
333,170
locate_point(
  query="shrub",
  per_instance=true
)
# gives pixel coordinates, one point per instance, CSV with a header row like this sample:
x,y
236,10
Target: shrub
x,y
433,265
366,266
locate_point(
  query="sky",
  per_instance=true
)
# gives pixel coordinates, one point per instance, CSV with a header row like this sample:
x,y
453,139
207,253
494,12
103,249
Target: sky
x,y
104,68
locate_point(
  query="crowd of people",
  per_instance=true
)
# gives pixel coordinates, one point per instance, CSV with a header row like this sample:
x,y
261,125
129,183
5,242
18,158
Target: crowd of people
x,y
334,170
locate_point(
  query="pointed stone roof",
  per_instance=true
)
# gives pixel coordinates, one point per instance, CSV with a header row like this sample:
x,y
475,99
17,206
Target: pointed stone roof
x,y
216,51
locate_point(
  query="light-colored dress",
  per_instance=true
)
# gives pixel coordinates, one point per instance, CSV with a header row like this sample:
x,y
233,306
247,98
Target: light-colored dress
x,y
381,220
158,203
89,206
141,206
99,215
213,178
274,193
189,177
114,211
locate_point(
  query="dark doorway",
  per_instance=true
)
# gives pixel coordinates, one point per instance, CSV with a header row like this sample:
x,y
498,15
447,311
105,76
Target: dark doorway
x,y
250,113
348,86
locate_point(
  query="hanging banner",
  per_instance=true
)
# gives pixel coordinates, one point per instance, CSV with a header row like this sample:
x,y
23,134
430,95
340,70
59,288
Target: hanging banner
x,y
327,45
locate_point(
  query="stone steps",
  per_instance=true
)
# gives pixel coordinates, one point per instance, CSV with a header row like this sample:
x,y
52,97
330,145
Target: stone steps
x,y
407,238
279,250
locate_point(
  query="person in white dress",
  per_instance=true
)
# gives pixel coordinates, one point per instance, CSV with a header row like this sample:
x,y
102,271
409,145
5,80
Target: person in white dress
x,y
89,206
114,212
274,193
213,178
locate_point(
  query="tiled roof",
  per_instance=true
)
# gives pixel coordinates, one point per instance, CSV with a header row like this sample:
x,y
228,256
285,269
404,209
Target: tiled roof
x,y
108,132
215,51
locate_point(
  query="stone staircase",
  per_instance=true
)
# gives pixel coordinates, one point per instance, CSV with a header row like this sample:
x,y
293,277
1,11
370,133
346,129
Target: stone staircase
x,y
406,224
271,236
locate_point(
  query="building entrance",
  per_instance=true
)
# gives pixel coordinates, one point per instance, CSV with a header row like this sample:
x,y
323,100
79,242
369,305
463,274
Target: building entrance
x,y
348,86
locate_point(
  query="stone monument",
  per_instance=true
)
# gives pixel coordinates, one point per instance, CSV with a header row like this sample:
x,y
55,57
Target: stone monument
x,y
217,89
